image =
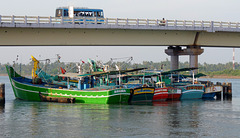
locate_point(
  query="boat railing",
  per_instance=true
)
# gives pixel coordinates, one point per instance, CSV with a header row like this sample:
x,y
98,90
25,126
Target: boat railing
x,y
116,21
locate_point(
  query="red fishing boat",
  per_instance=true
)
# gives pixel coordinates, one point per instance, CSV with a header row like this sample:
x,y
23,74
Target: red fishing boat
x,y
161,92
174,93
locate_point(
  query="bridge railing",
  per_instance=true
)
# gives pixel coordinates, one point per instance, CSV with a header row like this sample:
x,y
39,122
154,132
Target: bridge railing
x,y
116,21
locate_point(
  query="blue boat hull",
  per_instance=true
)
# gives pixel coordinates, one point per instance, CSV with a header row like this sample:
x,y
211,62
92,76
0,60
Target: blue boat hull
x,y
192,91
192,94
209,95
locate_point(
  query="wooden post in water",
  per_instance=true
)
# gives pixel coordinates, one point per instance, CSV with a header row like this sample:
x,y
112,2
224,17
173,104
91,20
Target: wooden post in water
x,y
219,94
225,89
2,93
229,92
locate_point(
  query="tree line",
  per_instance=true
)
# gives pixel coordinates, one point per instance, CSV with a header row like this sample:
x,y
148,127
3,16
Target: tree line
x,y
54,68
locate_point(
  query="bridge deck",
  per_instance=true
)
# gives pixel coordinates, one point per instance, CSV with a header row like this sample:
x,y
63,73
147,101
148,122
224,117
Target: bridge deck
x,y
56,31
117,23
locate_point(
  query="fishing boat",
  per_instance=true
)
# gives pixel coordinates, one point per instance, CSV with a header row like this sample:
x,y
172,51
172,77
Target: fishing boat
x,y
161,92
211,90
29,89
141,91
128,78
174,93
142,94
190,89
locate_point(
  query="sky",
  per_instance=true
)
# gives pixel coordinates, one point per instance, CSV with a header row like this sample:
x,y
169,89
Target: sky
x,y
207,10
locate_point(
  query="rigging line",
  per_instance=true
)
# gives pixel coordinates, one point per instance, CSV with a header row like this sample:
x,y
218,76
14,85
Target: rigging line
x,y
120,58
43,75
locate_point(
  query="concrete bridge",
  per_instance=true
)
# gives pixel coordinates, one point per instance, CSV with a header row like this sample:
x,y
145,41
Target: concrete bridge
x,y
183,37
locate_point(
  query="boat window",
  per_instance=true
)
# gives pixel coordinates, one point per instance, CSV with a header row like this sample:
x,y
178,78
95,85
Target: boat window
x,y
58,12
65,13
90,14
81,14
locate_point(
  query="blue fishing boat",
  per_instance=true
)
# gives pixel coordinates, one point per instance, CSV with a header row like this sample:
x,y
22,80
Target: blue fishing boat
x,y
192,91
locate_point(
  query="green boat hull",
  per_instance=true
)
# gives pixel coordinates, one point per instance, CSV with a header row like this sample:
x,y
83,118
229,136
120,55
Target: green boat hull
x,y
25,90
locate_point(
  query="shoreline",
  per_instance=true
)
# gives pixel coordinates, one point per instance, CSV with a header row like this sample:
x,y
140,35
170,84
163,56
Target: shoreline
x,y
221,77
206,77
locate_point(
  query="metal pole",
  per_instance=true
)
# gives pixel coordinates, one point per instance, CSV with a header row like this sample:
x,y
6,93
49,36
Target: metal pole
x,y
233,58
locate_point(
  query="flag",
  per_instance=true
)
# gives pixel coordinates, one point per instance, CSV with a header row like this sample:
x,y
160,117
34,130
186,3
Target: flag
x,y
63,70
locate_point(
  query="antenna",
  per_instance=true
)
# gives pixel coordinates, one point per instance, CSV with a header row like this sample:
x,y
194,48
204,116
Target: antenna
x,y
233,58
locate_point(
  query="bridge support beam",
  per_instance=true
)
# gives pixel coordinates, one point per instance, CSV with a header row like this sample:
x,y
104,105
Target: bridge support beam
x,y
175,52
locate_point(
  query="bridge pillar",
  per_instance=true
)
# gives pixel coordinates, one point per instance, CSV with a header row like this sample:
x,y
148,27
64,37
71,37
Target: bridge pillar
x,y
192,51
174,53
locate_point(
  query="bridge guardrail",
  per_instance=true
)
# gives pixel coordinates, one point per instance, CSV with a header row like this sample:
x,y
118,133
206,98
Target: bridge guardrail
x,y
116,21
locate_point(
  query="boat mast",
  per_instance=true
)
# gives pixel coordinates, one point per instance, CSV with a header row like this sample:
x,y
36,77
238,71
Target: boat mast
x,y
193,76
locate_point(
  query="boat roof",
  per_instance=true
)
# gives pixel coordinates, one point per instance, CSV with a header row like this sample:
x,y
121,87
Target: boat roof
x,y
196,76
156,73
71,75
177,70
80,8
125,71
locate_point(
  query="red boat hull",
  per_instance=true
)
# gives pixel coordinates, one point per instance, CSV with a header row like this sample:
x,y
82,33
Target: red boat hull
x,y
160,94
174,94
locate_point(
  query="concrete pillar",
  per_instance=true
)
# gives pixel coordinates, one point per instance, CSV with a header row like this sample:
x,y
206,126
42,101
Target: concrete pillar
x,y
174,53
193,60
2,93
174,62
193,53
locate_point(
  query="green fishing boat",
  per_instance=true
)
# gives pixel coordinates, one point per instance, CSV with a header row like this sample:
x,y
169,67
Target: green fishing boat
x,y
29,89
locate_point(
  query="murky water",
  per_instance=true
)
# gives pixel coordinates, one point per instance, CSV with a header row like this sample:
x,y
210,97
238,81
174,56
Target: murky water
x,y
189,118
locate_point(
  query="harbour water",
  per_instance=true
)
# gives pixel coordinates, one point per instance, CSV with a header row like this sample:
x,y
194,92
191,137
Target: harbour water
x,y
188,118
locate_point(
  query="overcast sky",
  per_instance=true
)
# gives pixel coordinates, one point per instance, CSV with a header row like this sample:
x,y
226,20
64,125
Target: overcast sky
x,y
212,10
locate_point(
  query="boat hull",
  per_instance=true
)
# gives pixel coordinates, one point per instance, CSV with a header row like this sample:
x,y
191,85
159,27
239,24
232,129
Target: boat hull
x,y
160,94
194,91
194,94
174,94
211,91
25,90
209,95
142,94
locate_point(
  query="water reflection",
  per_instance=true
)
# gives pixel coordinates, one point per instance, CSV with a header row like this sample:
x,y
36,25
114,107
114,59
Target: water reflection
x,y
188,118
167,103
185,116
44,119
